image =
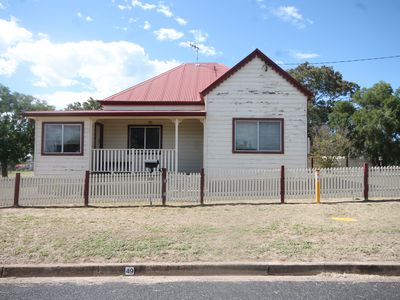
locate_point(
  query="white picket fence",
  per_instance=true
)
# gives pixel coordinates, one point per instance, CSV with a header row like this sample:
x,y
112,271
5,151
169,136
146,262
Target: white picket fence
x,y
231,185
183,187
48,191
219,185
384,182
125,187
7,192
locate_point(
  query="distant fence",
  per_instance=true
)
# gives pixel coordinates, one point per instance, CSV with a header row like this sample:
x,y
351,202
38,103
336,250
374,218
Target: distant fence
x,y
270,185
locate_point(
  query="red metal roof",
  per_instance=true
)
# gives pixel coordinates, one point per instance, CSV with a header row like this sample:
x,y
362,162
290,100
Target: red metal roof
x,y
181,85
112,113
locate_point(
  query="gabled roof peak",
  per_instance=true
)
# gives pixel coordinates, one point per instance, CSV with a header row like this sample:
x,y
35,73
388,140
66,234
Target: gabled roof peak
x,y
257,53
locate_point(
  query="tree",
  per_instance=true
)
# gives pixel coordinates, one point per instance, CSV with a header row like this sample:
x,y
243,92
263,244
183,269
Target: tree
x,y
372,121
327,86
328,146
16,132
89,104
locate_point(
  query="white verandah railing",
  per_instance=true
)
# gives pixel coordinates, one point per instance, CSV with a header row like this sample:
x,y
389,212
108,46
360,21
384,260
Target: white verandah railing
x,y
130,160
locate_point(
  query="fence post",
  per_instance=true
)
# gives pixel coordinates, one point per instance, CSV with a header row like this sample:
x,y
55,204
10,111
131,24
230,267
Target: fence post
x,y
201,186
366,187
86,188
164,186
16,189
317,186
282,184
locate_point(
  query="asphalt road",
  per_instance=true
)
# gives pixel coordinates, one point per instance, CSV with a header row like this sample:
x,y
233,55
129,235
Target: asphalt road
x,y
199,288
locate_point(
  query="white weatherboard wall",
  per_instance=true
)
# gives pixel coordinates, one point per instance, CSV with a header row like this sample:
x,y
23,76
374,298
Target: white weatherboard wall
x,y
190,147
62,164
254,92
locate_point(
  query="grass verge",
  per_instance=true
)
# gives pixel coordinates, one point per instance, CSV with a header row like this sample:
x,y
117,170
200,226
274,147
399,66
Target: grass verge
x,y
297,232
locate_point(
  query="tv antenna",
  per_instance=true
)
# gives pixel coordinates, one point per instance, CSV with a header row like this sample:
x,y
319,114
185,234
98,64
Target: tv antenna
x,y
197,48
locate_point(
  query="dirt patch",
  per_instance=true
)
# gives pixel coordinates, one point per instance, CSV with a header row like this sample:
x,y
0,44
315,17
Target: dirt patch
x,y
296,232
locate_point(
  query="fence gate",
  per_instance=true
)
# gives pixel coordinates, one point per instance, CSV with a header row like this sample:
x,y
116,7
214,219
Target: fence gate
x,y
125,187
183,187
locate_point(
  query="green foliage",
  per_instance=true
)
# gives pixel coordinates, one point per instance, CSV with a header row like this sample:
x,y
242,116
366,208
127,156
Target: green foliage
x,y
16,132
328,146
327,86
372,121
89,104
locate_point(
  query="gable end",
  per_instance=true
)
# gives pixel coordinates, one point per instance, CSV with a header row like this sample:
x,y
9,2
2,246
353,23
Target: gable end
x,y
268,62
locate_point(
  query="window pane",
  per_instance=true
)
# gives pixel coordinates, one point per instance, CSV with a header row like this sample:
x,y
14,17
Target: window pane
x,y
270,136
72,138
137,138
246,135
52,138
152,138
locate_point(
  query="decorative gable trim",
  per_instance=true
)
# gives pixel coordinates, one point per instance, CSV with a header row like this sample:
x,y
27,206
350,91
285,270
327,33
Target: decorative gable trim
x,y
269,62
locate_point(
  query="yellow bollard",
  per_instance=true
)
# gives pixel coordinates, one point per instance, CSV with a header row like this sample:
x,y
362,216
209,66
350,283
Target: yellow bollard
x,y
317,187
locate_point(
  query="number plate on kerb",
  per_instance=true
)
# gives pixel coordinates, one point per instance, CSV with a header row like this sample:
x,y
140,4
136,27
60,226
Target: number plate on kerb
x,y
129,271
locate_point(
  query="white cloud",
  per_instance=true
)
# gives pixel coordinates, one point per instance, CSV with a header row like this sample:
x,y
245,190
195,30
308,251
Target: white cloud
x,y
42,35
124,7
11,33
121,28
132,20
145,6
2,6
203,49
167,34
90,68
303,55
146,25
159,7
292,15
198,35
261,4
61,99
164,9
181,21
87,18
199,38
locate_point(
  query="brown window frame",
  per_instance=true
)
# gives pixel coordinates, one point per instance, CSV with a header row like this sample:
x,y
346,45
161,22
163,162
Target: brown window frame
x,y
234,150
80,153
145,126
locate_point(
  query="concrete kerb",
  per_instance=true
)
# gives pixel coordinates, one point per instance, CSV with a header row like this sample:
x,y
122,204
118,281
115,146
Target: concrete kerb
x,y
199,269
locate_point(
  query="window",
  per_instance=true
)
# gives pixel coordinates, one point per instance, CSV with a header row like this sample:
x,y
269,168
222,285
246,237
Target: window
x,y
258,135
62,138
144,137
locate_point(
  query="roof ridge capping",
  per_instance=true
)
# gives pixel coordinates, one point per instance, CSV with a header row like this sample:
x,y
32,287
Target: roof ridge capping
x,y
257,53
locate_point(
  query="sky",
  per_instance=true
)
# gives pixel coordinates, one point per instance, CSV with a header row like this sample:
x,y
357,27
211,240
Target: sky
x,y
69,50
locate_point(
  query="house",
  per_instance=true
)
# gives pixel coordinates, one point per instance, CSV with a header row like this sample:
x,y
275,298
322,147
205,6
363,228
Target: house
x,y
251,116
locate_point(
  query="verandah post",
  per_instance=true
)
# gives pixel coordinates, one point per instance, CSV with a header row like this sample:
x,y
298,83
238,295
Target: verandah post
x,y
164,186
86,189
366,188
16,189
201,186
282,184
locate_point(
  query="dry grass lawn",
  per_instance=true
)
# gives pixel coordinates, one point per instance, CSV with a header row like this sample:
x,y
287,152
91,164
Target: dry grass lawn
x,y
291,232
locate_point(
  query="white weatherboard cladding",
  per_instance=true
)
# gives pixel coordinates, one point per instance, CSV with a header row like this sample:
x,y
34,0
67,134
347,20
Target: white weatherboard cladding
x,y
62,164
190,147
255,92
